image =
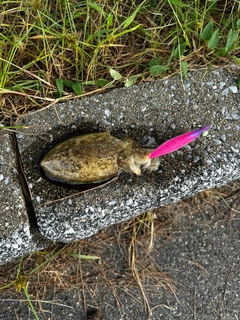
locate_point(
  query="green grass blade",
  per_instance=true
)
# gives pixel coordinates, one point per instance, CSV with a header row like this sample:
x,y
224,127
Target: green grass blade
x,y
157,70
30,303
238,24
77,88
59,84
179,3
83,256
115,74
45,262
178,52
207,31
13,127
68,83
213,41
231,39
154,62
97,8
131,80
184,68
130,19
127,31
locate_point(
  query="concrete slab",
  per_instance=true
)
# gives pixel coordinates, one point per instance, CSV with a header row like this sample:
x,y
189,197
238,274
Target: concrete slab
x,y
150,113
17,236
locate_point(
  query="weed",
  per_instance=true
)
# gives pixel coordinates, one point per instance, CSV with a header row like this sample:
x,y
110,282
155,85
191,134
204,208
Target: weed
x,y
53,51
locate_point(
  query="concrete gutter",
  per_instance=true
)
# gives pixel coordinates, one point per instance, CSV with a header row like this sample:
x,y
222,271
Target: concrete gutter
x,y
150,113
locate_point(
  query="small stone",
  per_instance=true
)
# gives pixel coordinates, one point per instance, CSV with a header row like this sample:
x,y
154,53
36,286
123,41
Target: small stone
x,y
222,84
177,97
187,147
225,92
129,201
216,141
107,112
234,149
196,159
209,83
234,89
69,231
235,115
223,137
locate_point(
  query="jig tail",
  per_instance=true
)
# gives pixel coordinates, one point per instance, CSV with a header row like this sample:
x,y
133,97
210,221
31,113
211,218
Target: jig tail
x,y
177,142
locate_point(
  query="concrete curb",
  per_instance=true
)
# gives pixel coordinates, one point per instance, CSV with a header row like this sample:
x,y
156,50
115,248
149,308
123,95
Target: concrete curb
x,y
150,113
19,235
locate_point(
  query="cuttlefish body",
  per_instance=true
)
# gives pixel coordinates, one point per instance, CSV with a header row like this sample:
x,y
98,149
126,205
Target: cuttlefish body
x,y
97,157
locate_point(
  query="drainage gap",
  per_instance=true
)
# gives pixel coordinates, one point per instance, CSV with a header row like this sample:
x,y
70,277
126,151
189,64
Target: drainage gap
x,y
25,189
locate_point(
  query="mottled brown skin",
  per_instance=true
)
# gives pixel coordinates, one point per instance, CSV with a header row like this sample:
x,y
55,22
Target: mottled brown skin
x,y
95,157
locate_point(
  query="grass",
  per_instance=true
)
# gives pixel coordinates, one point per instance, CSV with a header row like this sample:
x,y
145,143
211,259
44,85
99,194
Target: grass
x,y
56,50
